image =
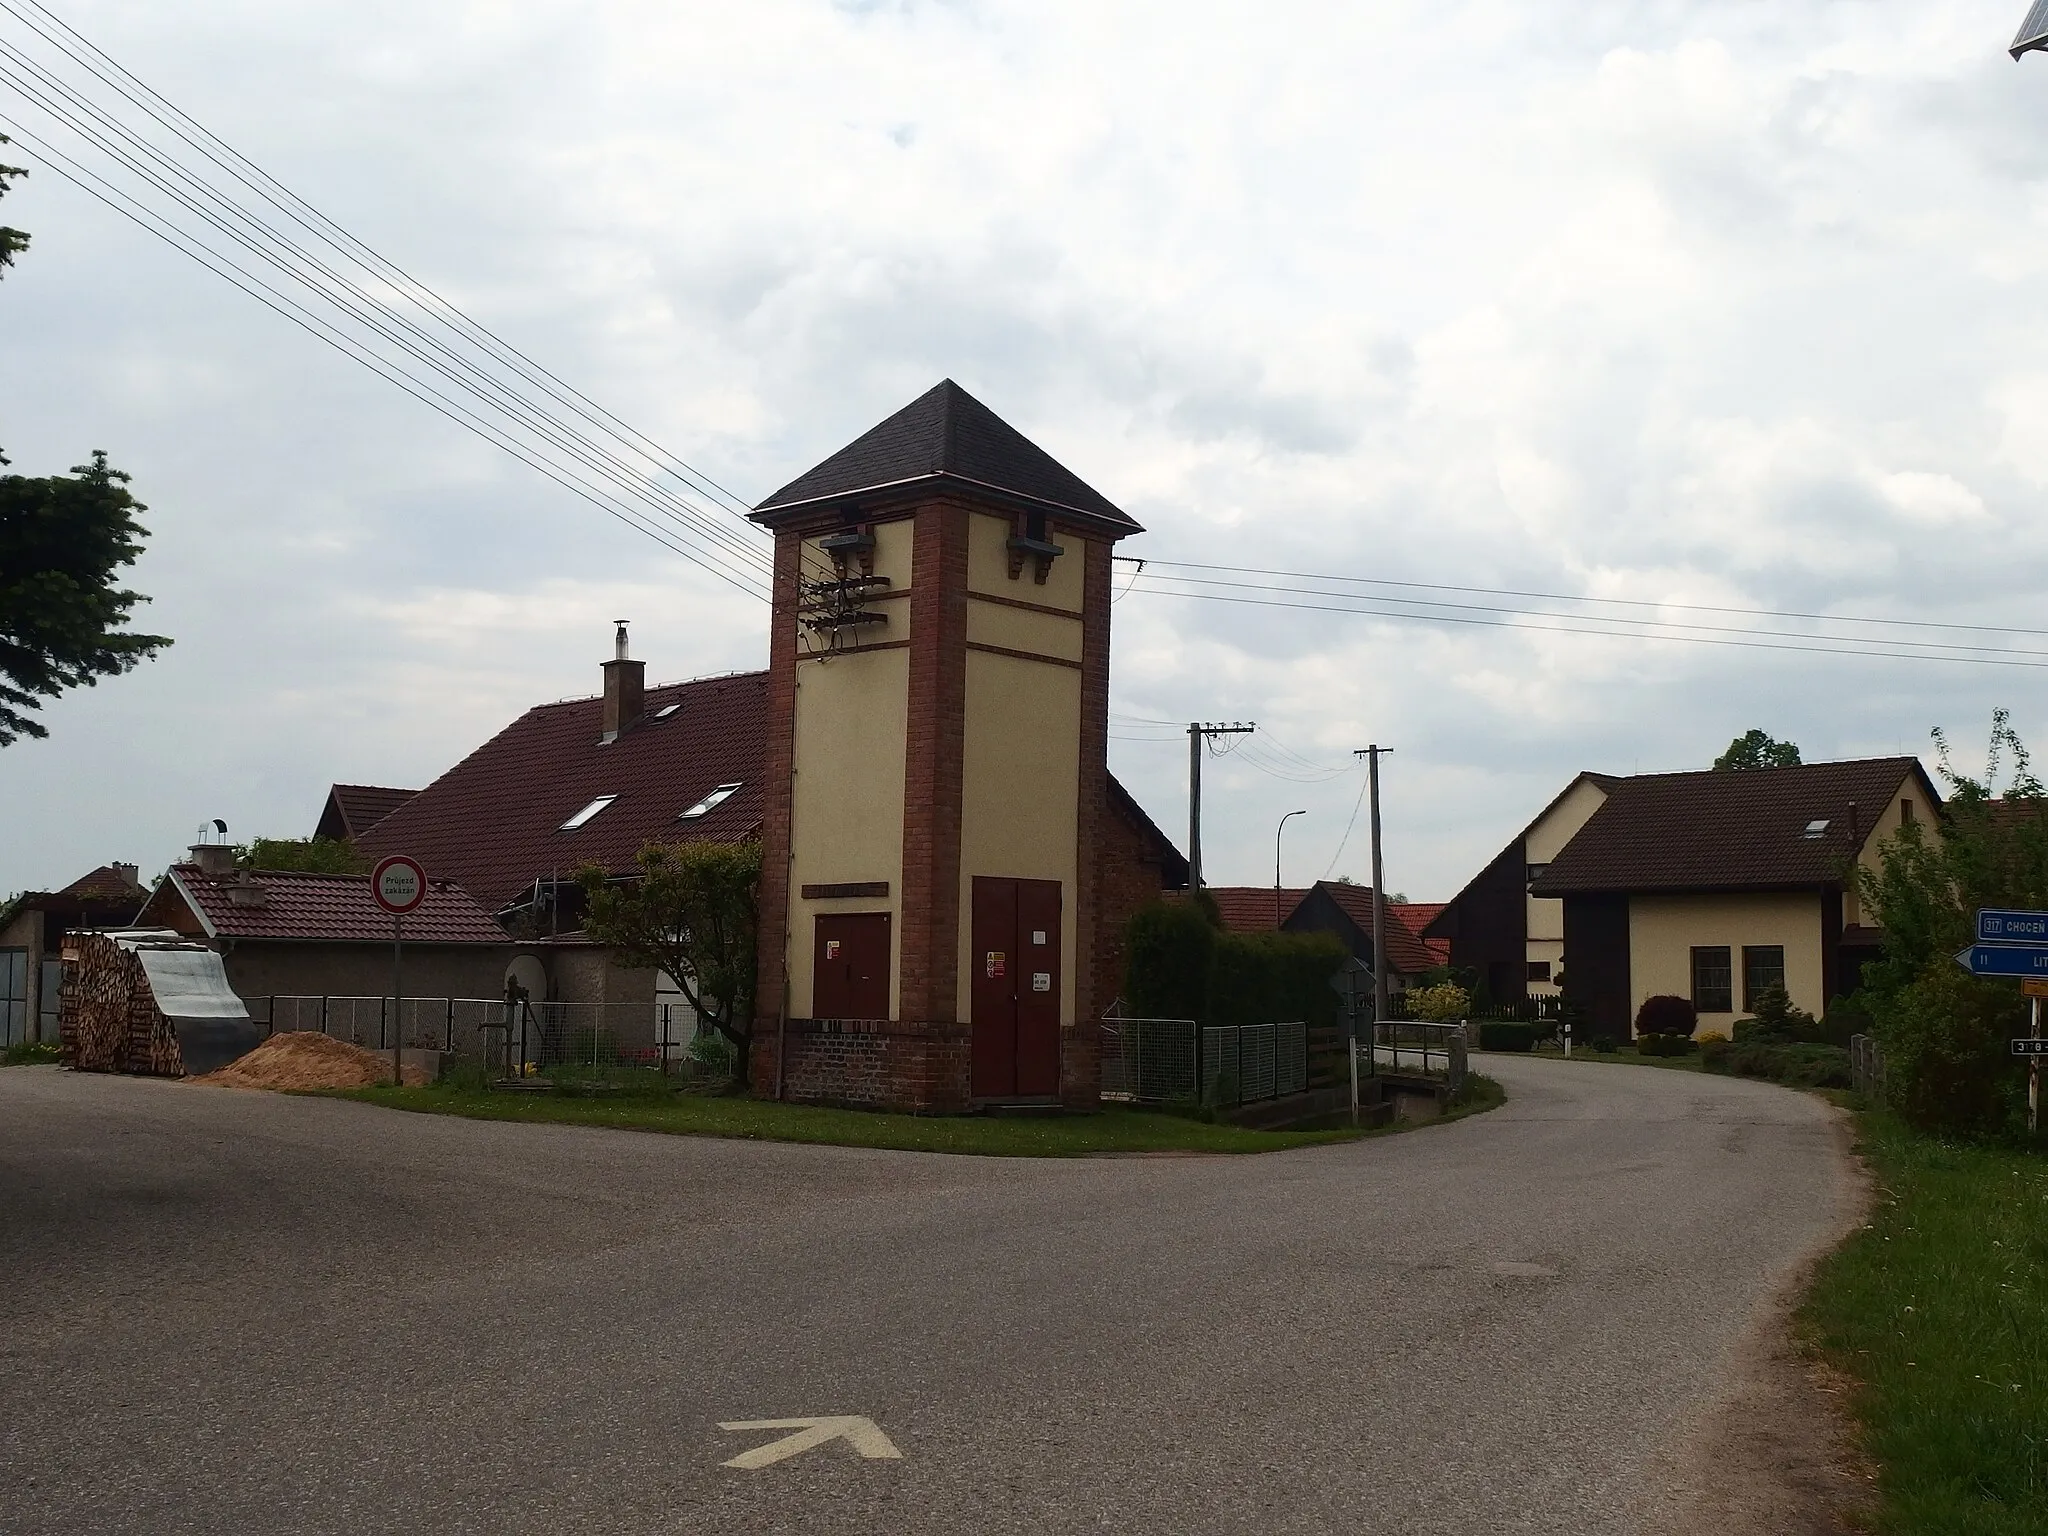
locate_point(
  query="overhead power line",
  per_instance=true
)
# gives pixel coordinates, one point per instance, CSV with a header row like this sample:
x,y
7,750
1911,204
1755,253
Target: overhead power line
x,y
365,305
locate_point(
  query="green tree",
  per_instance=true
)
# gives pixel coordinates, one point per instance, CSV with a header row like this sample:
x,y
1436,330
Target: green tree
x,y
12,241
1943,1030
63,622
689,909
303,855
1758,749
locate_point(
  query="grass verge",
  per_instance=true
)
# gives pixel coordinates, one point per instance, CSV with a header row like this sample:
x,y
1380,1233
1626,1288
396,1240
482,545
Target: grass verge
x,y
1626,1054
1938,1308
28,1053
1112,1131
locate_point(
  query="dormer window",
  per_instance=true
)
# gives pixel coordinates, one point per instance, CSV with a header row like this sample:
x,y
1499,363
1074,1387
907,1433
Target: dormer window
x,y
710,802
583,816
1816,830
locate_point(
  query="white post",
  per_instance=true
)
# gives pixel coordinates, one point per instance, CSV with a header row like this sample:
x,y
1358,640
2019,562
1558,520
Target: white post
x,y
2034,1070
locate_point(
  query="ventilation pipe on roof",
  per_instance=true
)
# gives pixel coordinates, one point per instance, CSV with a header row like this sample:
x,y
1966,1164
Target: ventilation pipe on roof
x,y
625,689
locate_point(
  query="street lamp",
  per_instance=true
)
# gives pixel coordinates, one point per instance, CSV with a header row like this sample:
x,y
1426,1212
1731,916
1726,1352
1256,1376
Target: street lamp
x,y
1283,827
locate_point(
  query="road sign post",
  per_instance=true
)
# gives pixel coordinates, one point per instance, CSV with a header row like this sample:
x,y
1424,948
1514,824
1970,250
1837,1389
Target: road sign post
x,y
1353,984
399,885
2015,943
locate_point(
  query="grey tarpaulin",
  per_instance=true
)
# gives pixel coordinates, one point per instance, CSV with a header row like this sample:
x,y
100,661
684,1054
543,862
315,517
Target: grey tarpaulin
x,y
192,991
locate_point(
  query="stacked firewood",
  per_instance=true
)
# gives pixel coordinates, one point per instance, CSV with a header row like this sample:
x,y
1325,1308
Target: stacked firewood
x,y
108,1018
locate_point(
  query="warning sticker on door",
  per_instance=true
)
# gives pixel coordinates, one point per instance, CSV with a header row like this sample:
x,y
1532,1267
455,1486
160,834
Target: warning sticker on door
x,y
1041,981
995,964
831,949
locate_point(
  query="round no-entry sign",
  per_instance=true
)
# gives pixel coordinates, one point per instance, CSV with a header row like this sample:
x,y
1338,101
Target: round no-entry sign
x,y
399,884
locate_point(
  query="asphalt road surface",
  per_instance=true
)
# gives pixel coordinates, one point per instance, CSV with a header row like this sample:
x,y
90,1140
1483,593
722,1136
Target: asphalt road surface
x,y
238,1312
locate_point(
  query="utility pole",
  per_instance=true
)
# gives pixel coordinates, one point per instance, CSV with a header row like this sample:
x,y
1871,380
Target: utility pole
x,y
1197,732
1372,755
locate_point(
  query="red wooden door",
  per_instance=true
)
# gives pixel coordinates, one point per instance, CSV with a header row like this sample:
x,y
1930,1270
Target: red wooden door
x,y
1015,989
850,966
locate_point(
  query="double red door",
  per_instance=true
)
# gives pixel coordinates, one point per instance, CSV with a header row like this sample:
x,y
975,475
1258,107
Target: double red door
x,y
1016,993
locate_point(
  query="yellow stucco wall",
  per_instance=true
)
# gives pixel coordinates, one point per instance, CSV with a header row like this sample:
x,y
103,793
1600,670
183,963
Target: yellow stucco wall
x,y
1662,931
988,566
1886,826
1018,629
1546,839
1019,803
846,804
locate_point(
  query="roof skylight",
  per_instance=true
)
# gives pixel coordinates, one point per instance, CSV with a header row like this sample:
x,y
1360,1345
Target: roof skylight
x,y
1818,829
586,813
666,710
710,802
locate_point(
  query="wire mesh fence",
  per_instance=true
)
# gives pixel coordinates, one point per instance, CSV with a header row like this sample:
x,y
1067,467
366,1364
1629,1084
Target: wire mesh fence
x,y
1178,1061
1150,1061
510,1037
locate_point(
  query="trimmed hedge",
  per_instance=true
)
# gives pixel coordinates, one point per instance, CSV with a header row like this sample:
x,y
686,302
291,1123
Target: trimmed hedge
x,y
1506,1035
1665,1045
1794,1065
1179,965
1667,1015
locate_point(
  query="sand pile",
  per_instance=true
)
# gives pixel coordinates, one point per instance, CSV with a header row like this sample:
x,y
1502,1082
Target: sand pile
x,y
306,1059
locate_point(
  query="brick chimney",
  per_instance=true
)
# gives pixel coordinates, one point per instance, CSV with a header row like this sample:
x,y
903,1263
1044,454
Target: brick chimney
x,y
625,689
128,872
216,860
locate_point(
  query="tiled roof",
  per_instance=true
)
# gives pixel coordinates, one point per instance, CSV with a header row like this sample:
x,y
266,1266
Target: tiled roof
x,y
326,907
1405,948
492,822
947,432
108,895
106,886
1416,916
1722,830
352,809
1251,908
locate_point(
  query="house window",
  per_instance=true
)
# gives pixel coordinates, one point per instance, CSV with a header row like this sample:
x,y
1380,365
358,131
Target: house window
x,y
1763,965
1816,829
1532,871
1713,981
13,996
1539,970
710,802
586,813
1905,812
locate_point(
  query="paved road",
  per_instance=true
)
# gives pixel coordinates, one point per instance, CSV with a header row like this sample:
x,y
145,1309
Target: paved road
x,y
234,1312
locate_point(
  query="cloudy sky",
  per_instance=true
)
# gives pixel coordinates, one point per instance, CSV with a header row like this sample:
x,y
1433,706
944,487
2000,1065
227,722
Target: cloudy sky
x,y
1731,304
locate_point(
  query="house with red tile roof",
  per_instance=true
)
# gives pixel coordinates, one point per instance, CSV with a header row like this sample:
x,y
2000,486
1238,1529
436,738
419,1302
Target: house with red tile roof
x,y
1252,908
352,809
31,931
1346,910
294,934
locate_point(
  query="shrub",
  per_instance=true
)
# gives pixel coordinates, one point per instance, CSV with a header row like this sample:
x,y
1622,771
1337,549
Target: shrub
x,y
1710,1037
1665,1045
1606,1045
28,1053
1439,1004
1666,1015
1166,966
1947,1064
1270,978
1795,1065
1506,1035
1777,1019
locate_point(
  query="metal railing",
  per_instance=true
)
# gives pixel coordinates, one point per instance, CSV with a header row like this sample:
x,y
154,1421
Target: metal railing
x,y
1411,1048
1151,1061
1177,1061
1248,1063
1866,1067
503,1034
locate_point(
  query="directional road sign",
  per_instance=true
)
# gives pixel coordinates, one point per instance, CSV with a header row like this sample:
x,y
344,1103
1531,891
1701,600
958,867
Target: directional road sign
x,y
1997,925
2004,959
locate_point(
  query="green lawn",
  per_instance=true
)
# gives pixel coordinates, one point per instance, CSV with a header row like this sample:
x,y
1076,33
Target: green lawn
x,y
1111,1131
1626,1053
1940,1309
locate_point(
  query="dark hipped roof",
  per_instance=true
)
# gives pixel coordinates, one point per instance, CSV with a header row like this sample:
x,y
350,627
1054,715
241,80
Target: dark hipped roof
x,y
491,823
352,809
1721,830
288,905
948,434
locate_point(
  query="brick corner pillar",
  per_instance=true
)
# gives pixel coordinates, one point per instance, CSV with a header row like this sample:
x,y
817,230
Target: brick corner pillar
x,y
1081,1047
764,1063
933,765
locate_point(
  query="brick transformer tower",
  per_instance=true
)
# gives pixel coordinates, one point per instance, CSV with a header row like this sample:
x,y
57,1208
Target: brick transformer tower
x,y
937,780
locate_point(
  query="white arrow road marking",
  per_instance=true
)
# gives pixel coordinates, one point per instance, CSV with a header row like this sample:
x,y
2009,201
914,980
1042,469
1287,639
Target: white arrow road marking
x,y
862,1434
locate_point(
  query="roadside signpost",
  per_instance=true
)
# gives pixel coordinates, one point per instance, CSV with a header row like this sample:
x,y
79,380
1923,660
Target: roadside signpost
x,y
1353,983
399,884
2013,943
